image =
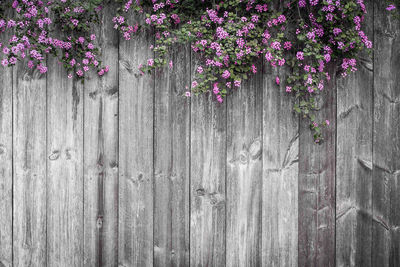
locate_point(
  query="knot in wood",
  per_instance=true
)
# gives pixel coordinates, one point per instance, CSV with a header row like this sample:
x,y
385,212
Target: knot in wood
x,y
68,153
54,155
200,192
216,199
255,149
244,157
99,222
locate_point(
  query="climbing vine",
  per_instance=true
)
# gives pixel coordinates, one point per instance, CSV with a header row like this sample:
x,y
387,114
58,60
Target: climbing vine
x,y
232,37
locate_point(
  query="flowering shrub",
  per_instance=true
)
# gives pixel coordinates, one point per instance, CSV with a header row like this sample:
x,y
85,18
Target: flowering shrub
x,y
230,36
34,34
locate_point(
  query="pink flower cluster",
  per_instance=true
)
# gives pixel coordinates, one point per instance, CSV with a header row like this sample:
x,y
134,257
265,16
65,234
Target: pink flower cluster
x,y
230,37
33,37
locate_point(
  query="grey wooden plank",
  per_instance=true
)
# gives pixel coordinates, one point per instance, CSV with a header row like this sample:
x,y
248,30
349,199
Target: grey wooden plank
x,y
171,161
317,186
135,155
29,167
6,152
244,174
101,121
207,180
280,174
64,168
353,161
386,140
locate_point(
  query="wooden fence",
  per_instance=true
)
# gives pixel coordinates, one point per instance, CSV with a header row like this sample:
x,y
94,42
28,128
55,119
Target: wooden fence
x,y
124,171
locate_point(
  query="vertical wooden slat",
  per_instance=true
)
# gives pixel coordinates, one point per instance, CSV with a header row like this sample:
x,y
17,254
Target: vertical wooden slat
x,y
171,161
101,152
29,157
354,161
280,174
317,186
64,168
244,174
207,181
135,155
6,152
386,140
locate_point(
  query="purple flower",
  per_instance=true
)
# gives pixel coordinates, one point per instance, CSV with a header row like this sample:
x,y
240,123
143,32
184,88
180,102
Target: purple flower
x,y
327,57
336,31
391,7
215,88
300,55
287,45
254,69
226,74
268,56
4,62
276,45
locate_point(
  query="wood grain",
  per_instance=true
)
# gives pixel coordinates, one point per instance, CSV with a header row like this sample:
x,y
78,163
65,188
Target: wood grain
x,y
207,181
101,132
386,141
280,174
171,161
29,167
353,161
136,100
244,174
6,167
317,186
64,168
126,171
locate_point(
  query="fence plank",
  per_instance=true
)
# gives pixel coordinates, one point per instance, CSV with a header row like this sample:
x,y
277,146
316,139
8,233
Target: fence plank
x,y
64,168
317,187
136,155
29,157
280,174
386,140
6,152
244,174
171,161
101,153
354,161
207,181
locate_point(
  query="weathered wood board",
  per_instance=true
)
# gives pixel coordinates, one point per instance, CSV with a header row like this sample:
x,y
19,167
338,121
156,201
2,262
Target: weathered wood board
x,y
207,180
317,165
29,167
386,141
354,162
244,174
280,174
6,165
101,157
136,165
171,161
64,150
